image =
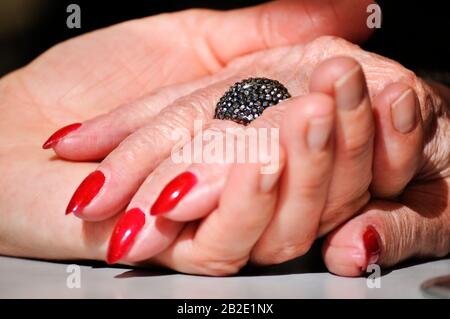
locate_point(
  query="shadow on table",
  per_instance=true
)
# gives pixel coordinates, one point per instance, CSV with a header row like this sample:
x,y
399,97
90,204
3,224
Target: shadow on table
x,y
309,263
301,265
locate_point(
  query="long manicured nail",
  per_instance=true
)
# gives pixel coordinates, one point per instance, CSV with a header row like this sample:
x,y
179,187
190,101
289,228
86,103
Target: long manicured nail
x,y
319,131
59,135
371,240
124,234
350,89
86,192
173,193
404,113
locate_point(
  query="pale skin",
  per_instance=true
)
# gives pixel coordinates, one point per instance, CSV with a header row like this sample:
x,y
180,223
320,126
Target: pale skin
x,y
58,89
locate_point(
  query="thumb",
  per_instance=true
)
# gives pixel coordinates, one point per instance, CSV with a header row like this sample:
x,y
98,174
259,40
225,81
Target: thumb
x,y
269,25
281,23
387,233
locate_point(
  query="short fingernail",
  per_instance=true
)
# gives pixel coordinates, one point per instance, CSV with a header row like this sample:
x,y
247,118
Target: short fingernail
x,y
59,135
124,234
319,131
371,240
404,113
173,193
268,181
350,89
86,192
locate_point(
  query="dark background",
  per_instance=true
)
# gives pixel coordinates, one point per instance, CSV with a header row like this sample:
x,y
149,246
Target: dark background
x,y
413,33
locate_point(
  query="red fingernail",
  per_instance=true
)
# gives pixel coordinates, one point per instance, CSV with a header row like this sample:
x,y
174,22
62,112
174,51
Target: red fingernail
x,y
173,193
371,240
60,134
128,226
87,190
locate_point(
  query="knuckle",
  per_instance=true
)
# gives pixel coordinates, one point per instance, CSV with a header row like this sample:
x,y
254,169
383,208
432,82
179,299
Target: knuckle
x,y
174,118
310,186
337,213
198,105
286,252
310,190
358,146
220,267
130,150
177,117
130,155
211,260
133,148
201,102
409,77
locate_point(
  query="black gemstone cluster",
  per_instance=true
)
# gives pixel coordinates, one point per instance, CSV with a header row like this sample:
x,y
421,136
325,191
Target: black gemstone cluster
x,y
246,100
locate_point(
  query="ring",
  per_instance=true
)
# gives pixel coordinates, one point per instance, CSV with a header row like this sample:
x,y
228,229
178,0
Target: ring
x,y
246,100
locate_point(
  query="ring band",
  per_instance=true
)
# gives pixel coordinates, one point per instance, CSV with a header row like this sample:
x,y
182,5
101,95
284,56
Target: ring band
x,y
247,100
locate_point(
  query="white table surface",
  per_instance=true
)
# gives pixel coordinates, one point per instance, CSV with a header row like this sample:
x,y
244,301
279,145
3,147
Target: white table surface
x,y
302,278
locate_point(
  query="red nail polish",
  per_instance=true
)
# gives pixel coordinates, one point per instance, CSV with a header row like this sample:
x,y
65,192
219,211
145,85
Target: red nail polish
x,y
173,193
371,240
60,134
87,190
128,226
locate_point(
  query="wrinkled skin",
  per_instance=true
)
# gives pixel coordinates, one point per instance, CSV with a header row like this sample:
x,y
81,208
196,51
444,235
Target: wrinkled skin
x,y
345,199
98,72
39,185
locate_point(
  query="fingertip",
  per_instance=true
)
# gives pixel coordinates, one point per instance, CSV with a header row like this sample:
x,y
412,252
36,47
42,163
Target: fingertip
x,y
343,261
356,244
59,135
312,118
399,105
140,237
372,245
328,72
91,140
398,139
86,144
315,104
191,194
86,192
173,193
125,231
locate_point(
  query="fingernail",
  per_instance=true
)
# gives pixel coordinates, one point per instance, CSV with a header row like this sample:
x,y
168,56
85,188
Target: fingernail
x,y
319,131
173,193
404,113
86,192
268,181
371,240
59,135
349,89
124,234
